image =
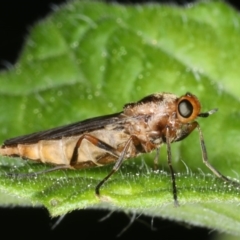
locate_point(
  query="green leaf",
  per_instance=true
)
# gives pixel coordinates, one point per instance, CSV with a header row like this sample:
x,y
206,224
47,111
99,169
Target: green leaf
x,y
89,59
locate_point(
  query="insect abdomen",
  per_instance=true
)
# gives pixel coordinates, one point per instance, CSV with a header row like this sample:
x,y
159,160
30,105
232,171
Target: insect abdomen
x,y
49,151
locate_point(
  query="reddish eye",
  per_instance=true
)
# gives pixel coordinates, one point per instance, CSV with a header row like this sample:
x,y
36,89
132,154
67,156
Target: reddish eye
x,y
185,108
188,108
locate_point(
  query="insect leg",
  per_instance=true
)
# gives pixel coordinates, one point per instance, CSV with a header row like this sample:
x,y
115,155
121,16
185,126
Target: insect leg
x,y
205,157
33,174
169,156
95,141
115,168
156,158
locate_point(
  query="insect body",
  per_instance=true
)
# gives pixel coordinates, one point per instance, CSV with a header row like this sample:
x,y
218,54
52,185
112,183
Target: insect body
x,y
140,128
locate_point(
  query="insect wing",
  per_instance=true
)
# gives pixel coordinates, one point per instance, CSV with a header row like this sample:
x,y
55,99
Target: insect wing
x,y
73,129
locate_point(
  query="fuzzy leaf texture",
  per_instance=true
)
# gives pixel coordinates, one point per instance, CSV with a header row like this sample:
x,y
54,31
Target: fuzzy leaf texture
x,y
88,59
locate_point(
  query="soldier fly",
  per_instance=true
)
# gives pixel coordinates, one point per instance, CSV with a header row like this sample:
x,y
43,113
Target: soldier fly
x,y
143,126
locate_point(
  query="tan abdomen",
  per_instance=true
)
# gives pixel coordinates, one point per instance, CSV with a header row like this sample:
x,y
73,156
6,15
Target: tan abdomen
x,y
51,151
60,151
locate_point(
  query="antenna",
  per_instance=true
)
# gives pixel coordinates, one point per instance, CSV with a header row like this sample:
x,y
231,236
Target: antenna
x,y
206,114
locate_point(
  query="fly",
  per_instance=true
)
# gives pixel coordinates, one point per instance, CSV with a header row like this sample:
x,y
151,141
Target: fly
x,y
143,126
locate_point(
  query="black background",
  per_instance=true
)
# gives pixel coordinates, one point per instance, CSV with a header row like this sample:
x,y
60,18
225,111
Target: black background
x,y
16,17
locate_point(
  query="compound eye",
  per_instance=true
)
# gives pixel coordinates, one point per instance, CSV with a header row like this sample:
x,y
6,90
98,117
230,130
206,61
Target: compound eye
x,y
185,108
188,108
